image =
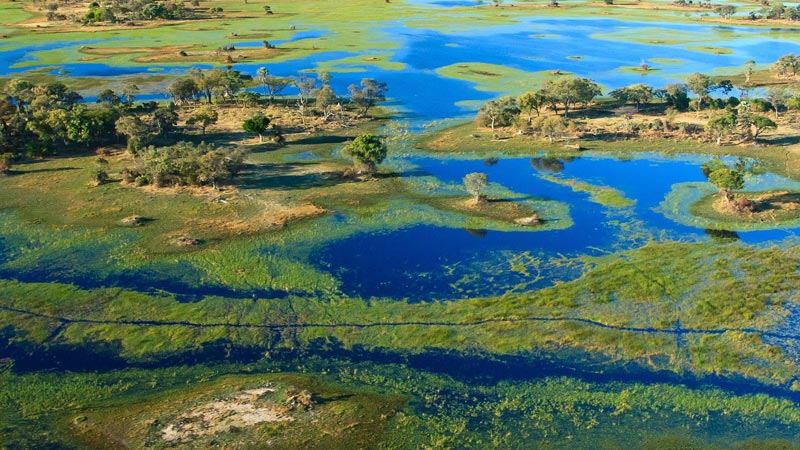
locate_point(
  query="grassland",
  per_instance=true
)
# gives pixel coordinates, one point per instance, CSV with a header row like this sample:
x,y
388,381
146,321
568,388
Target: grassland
x,y
107,325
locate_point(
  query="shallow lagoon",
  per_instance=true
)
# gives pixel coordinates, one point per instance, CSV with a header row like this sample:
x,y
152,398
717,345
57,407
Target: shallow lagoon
x,y
400,262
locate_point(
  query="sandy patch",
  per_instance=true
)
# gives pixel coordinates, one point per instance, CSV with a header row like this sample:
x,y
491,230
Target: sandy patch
x,y
241,411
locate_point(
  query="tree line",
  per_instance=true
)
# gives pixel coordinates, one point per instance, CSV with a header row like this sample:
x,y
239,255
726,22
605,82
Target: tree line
x,y
546,111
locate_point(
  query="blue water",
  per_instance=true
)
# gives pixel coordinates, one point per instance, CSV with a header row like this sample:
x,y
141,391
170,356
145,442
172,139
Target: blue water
x,y
535,44
426,262
434,263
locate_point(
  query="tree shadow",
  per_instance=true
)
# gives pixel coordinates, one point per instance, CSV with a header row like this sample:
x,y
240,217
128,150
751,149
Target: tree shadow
x,y
320,140
44,170
780,141
286,176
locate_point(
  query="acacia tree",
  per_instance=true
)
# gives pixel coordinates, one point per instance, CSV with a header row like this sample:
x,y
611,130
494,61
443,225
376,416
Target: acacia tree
x,y
531,101
761,123
475,184
367,152
275,85
721,125
256,124
727,180
778,96
639,94
136,132
370,93
725,11
569,91
305,85
500,112
700,84
552,126
204,117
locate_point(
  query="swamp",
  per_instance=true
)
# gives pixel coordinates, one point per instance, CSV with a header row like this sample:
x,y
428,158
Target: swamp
x,y
399,224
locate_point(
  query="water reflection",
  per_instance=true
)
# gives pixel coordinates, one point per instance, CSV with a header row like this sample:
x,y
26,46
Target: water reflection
x,y
722,236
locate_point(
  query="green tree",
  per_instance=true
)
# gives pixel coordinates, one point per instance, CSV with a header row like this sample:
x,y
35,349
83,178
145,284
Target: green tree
x,y
778,96
761,124
475,184
275,85
204,117
569,91
701,85
532,101
552,126
637,93
136,132
725,11
727,180
256,124
721,125
165,119
500,112
367,151
182,90
370,93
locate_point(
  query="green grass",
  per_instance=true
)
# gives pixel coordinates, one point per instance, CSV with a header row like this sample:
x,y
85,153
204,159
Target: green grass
x,y
496,78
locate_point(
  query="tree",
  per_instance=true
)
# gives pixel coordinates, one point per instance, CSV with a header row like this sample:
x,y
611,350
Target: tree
x,y
204,116
725,11
761,123
275,85
367,151
164,119
21,93
551,127
129,91
500,112
676,95
108,97
256,124
637,93
531,101
370,93
778,96
700,84
476,183
721,125
136,131
784,66
182,90
568,91
727,180
325,101
261,75
304,85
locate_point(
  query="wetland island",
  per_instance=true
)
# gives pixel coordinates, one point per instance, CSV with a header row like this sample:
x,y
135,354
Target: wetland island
x,y
399,224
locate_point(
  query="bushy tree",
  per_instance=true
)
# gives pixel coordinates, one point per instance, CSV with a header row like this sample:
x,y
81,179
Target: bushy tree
x,y
256,124
367,152
721,125
204,117
500,112
727,180
532,101
569,91
701,85
136,132
761,124
184,164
